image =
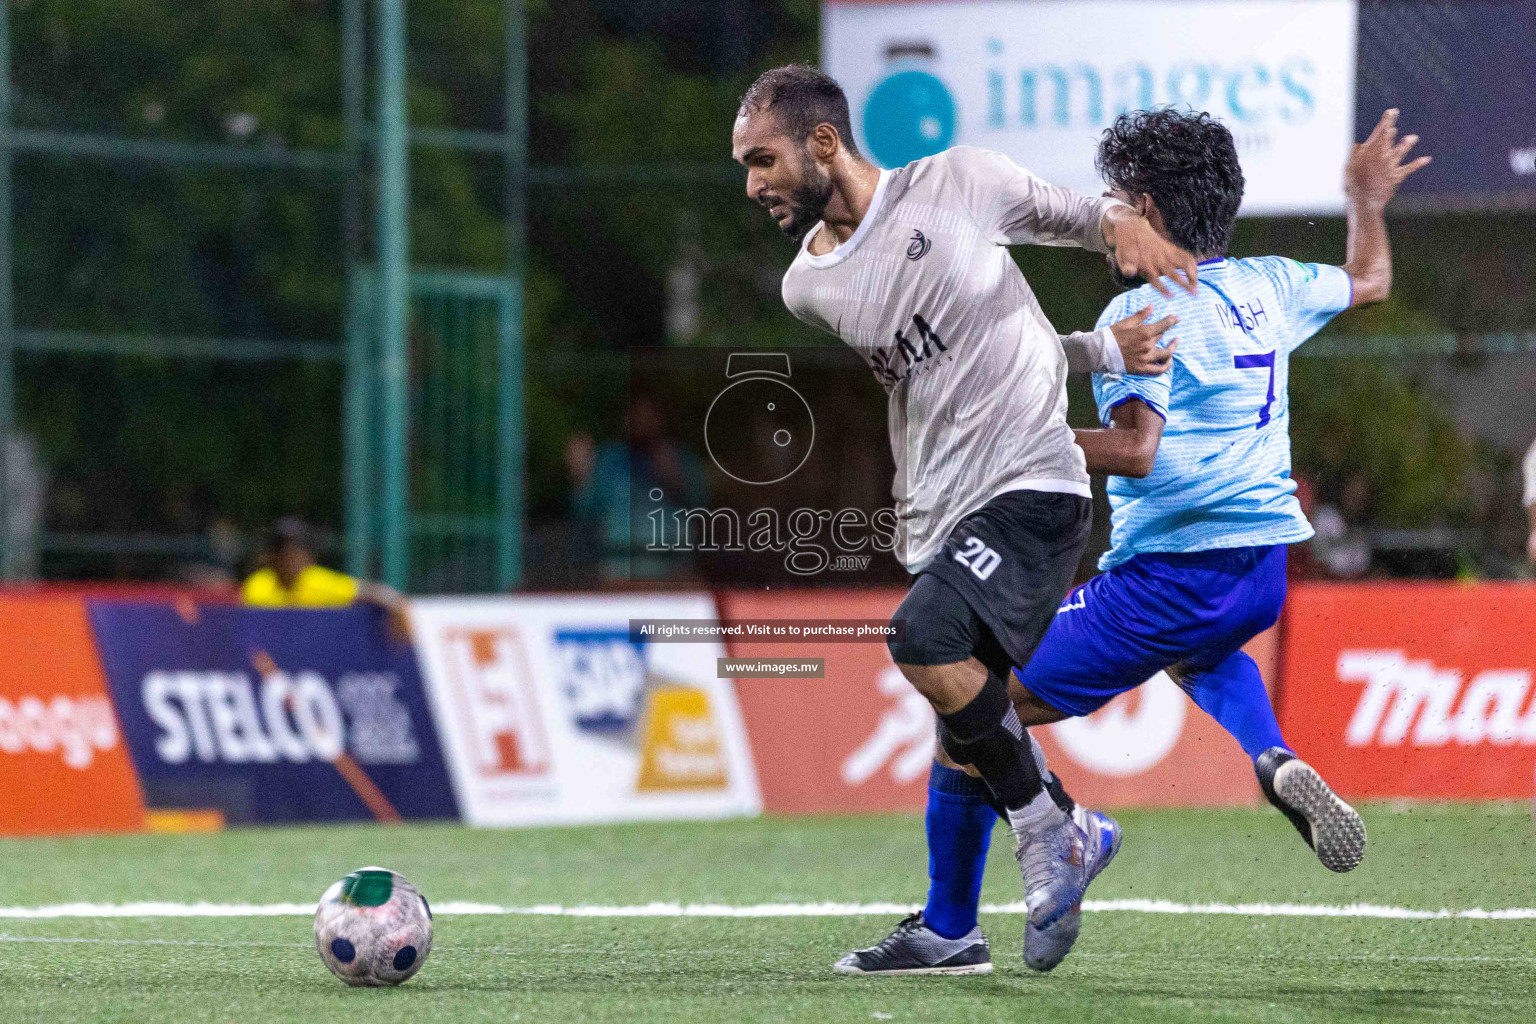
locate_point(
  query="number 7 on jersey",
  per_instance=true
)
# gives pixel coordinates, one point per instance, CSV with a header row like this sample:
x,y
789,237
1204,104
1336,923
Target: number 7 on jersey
x,y
1255,362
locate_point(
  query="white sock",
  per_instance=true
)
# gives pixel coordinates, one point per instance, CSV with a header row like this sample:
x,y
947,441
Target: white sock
x,y
1038,813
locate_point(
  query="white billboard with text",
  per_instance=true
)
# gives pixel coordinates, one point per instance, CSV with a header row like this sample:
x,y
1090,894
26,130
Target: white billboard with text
x,y
551,712
1041,81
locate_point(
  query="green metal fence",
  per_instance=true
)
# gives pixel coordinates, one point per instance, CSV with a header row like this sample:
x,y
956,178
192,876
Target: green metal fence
x,y
435,451
460,452
422,517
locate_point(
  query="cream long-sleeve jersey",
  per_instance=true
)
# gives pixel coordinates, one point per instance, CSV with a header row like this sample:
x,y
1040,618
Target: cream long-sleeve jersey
x,y
926,292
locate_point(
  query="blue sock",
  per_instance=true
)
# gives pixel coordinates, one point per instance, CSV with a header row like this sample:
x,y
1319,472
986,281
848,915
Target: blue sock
x,y
959,823
1233,693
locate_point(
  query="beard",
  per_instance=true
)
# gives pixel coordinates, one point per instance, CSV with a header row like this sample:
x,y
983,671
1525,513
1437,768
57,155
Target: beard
x,y
1120,278
807,204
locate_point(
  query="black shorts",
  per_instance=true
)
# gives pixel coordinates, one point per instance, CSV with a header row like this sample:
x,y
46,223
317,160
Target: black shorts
x,y
1012,561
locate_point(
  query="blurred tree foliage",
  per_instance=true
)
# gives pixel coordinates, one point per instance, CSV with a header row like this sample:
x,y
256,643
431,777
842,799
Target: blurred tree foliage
x,y
1355,416
168,445
158,445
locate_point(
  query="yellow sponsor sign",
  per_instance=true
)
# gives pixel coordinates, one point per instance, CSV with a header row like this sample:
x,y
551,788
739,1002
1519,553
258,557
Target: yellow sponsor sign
x,y
680,742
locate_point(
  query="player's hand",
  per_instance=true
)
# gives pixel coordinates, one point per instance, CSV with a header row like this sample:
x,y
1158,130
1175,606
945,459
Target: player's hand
x,y
1138,341
1139,251
1376,167
396,609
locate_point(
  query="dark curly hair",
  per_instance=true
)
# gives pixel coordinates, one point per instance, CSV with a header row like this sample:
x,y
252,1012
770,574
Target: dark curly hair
x,y
1187,163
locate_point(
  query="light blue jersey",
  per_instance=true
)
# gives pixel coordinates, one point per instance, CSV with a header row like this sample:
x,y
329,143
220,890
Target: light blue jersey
x,y
1222,477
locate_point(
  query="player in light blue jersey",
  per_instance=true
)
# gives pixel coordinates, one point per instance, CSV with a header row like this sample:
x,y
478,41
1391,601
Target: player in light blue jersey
x,y
1201,491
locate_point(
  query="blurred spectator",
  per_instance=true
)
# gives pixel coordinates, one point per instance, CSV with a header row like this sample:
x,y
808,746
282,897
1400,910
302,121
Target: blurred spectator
x,y
1341,545
615,487
217,569
1530,501
26,490
291,578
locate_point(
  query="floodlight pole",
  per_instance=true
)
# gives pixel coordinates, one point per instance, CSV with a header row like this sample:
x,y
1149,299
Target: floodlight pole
x,y
7,318
394,293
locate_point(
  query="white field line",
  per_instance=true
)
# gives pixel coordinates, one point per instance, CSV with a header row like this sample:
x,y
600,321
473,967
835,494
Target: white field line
x,y
74,941
766,910
505,951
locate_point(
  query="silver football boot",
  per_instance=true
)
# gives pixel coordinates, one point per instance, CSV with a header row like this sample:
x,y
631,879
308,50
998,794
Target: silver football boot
x,y
1054,859
1046,947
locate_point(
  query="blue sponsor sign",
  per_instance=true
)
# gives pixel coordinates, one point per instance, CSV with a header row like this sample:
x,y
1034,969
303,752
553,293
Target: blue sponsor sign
x,y
602,676
273,715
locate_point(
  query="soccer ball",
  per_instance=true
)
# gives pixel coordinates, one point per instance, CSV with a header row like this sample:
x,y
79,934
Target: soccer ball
x,y
373,928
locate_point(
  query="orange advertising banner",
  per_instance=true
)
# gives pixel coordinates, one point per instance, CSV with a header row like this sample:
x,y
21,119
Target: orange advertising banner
x,y
1413,690
63,764
861,739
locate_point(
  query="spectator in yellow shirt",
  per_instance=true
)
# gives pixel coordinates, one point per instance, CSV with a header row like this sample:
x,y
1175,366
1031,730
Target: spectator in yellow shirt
x,y
291,578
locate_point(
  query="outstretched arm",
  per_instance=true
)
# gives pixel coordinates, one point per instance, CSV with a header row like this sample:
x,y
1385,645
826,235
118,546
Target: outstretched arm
x,y
1126,346
1371,177
1129,446
1013,207
393,603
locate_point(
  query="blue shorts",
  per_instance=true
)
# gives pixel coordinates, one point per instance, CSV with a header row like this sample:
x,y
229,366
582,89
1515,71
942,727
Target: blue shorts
x,y
1123,626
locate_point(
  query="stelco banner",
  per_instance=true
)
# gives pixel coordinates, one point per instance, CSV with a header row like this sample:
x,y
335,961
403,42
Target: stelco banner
x,y
273,715
1414,690
1041,81
552,711
862,739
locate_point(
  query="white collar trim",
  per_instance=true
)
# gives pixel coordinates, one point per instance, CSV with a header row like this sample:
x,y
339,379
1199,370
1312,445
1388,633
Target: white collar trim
x,y
843,251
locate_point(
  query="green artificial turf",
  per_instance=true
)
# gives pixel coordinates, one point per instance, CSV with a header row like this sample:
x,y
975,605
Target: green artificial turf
x,y
1127,967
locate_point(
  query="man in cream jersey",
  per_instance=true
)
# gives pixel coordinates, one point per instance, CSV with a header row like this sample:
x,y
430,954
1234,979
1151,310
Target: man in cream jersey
x,y
910,268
